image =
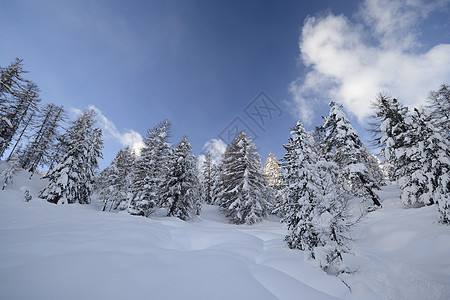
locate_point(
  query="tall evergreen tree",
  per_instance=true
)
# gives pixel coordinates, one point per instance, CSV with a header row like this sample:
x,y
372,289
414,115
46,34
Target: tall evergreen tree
x,y
244,193
426,161
314,203
183,199
272,170
299,163
375,169
112,183
59,150
332,219
387,126
217,184
438,110
341,144
72,179
148,190
209,179
10,171
104,189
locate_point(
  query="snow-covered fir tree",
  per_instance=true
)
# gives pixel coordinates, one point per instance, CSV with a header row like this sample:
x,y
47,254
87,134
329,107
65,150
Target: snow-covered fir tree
x,y
184,197
72,180
10,171
272,170
443,196
209,179
104,190
426,162
59,150
244,195
387,125
341,143
113,182
314,203
299,163
148,190
332,219
376,170
438,110
217,184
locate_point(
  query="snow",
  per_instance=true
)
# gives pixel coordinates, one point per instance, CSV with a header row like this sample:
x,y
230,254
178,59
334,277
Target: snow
x,y
74,251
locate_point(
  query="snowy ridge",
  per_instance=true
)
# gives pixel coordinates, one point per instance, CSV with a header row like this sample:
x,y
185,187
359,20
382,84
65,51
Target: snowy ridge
x,y
74,251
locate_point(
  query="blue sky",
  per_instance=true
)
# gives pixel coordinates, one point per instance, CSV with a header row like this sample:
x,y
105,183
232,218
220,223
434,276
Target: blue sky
x,y
203,64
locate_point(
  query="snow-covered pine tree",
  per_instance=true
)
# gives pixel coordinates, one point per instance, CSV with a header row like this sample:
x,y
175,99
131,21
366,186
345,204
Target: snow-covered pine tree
x,y
210,173
314,203
443,196
124,162
375,169
113,182
71,181
103,188
272,170
438,110
426,162
183,199
217,184
243,192
148,189
59,150
10,171
387,126
341,144
38,151
332,220
22,103
298,193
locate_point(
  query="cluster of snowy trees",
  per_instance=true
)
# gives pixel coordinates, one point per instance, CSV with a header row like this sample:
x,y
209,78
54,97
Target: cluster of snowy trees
x,y
322,171
35,138
72,179
415,146
163,177
159,177
325,168
30,133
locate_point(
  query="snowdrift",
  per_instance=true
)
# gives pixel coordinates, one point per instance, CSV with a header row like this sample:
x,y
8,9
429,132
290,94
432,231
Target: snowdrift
x,y
52,251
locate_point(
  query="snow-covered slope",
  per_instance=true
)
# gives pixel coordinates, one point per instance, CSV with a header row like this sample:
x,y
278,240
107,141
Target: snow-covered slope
x,y
52,251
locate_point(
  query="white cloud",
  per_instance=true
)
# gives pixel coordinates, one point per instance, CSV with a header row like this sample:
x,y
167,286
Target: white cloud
x,y
352,62
130,138
216,147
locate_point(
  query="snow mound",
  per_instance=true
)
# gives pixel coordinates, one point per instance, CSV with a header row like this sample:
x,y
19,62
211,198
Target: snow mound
x,y
52,251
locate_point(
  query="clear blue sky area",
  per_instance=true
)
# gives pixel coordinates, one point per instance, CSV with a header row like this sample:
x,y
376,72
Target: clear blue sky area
x,y
200,64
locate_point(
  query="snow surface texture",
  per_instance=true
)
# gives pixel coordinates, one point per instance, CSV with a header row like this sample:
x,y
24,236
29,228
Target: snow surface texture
x,y
74,251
